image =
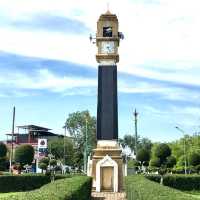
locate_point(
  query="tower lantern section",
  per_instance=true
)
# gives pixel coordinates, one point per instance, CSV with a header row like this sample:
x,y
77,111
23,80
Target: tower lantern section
x,y
107,39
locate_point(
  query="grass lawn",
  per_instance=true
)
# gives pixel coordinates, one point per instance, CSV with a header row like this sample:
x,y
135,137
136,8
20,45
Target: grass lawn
x,y
195,193
9,194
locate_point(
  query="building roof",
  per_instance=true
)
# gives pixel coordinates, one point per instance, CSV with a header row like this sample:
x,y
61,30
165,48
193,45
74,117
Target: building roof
x,y
34,128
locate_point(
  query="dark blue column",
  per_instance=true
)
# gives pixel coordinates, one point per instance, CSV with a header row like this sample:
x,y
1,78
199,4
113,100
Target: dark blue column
x,y
107,113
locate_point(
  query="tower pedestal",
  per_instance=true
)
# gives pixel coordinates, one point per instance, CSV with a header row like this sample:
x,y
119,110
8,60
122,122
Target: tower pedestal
x,y
107,167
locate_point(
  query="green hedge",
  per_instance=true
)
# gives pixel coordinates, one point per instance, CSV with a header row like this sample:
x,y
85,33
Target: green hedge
x,y
75,188
25,182
181,182
16,183
139,188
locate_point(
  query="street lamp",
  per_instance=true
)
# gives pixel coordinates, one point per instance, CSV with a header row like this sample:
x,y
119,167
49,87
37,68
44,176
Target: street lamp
x,y
182,131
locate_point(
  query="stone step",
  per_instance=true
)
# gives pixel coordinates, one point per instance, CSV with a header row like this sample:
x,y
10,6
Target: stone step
x,y
108,196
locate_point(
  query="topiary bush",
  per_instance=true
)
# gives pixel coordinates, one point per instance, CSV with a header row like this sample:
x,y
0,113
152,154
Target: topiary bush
x,y
194,159
24,154
75,188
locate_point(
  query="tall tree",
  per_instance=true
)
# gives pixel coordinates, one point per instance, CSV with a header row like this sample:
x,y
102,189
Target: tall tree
x,y
142,143
82,127
129,141
145,143
56,148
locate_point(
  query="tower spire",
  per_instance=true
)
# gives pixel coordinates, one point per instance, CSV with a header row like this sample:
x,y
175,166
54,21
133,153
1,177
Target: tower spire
x,y
108,9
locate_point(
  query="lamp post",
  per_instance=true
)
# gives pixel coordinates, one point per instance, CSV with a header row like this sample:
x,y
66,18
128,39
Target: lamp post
x,y
182,131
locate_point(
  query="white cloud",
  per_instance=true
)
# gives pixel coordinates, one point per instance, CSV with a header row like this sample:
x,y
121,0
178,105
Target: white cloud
x,y
46,80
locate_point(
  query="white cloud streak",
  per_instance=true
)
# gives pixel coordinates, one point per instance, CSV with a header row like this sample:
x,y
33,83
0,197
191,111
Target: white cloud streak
x,y
46,80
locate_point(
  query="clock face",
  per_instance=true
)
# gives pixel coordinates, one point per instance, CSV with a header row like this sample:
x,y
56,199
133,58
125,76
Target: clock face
x,y
107,47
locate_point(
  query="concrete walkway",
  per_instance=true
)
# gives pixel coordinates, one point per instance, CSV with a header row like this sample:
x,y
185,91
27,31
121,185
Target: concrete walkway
x,y
108,196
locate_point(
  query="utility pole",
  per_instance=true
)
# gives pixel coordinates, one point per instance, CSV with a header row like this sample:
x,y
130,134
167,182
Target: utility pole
x,y
136,136
184,148
86,146
13,130
64,148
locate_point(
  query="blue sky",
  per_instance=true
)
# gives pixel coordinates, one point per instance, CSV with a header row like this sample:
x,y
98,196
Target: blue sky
x,y
48,67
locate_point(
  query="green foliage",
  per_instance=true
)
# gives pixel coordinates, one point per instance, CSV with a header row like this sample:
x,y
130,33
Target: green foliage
x,y
42,166
129,141
181,161
181,182
171,161
76,125
45,160
162,151
24,154
75,188
56,148
155,162
9,183
142,143
133,163
194,159
3,150
192,144
145,143
53,162
143,155
4,163
139,188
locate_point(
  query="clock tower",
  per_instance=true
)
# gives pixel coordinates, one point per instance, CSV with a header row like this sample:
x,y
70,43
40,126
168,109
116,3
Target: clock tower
x,y
107,39
106,166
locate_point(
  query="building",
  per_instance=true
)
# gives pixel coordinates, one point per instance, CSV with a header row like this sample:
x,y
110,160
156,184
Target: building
x,y
30,134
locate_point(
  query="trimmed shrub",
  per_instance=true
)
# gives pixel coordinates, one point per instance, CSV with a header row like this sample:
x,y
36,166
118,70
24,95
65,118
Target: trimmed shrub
x,y
181,182
9,183
143,155
25,182
139,188
3,150
162,151
75,188
194,159
24,154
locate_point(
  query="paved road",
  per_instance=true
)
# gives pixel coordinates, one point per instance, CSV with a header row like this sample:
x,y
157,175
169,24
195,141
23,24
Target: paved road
x,y
108,196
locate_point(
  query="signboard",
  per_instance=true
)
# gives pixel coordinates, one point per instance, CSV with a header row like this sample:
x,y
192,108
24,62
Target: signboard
x,y
42,151
42,143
